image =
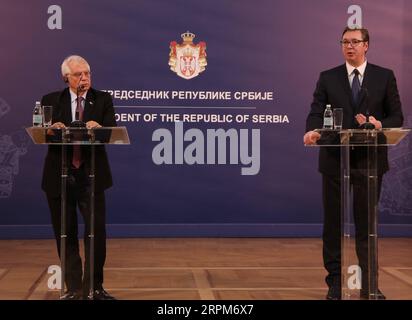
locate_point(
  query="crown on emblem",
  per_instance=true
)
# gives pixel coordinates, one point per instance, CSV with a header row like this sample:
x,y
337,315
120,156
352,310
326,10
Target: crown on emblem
x,y
188,36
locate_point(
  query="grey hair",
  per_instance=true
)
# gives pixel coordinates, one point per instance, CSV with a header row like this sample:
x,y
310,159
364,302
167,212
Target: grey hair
x,y
68,60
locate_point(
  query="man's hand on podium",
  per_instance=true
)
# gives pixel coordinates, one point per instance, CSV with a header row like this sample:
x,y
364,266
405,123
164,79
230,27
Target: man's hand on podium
x,y
376,123
361,119
92,125
58,125
311,137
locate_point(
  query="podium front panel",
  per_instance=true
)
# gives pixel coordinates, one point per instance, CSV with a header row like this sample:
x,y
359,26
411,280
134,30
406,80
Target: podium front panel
x,y
85,137
359,189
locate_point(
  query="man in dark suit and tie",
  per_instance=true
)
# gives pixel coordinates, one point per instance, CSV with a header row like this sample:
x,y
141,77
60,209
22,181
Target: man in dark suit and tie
x,y
94,108
365,92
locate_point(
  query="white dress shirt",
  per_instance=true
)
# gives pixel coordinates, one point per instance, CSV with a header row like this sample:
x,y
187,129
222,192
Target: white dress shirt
x,y
361,70
73,98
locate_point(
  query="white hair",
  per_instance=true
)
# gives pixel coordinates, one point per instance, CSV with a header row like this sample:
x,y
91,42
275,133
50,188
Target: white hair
x,y
73,58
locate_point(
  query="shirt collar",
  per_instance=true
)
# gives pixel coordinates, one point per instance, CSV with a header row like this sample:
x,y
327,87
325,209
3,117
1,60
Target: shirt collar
x,y
73,96
361,68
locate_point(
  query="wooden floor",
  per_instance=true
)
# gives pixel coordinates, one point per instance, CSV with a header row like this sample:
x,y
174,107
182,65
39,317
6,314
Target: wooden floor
x,y
201,268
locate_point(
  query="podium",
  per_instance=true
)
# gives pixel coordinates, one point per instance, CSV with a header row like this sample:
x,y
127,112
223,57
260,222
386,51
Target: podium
x,y
78,136
349,140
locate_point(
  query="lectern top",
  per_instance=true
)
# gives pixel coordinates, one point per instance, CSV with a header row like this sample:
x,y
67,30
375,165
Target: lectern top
x,y
360,137
83,136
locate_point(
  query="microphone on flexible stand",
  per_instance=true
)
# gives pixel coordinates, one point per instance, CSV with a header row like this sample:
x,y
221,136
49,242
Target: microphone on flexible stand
x,y
367,124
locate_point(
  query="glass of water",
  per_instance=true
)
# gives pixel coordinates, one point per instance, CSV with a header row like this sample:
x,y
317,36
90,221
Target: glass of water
x,y
337,118
47,115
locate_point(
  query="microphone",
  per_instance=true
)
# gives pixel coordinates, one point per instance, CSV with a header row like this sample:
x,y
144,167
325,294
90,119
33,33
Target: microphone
x,y
367,124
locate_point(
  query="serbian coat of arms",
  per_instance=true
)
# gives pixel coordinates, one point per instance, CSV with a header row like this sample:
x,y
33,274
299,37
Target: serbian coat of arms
x,y
187,59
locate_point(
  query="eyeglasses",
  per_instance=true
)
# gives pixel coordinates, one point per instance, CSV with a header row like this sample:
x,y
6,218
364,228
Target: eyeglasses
x,y
353,42
78,74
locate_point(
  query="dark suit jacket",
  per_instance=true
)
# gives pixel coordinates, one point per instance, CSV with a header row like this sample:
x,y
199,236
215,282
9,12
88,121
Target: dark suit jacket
x,y
382,101
98,107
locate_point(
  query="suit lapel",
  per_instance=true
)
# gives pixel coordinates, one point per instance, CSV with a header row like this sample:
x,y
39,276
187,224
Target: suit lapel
x,y
343,79
65,107
362,108
349,106
88,106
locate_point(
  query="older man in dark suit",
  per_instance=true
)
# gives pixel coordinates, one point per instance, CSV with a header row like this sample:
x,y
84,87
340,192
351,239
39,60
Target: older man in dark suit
x,y
79,102
365,92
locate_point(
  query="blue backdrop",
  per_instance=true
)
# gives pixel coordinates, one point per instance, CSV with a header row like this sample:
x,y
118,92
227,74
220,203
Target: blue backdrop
x,y
275,48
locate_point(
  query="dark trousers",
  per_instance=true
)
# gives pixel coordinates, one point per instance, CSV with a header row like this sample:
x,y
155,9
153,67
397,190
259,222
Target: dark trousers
x,y
78,196
332,224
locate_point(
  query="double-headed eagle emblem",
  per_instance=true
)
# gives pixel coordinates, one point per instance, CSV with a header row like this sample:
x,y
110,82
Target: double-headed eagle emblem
x,y
187,59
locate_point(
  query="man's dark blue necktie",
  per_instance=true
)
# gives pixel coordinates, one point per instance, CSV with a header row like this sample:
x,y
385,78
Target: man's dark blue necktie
x,y
355,87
